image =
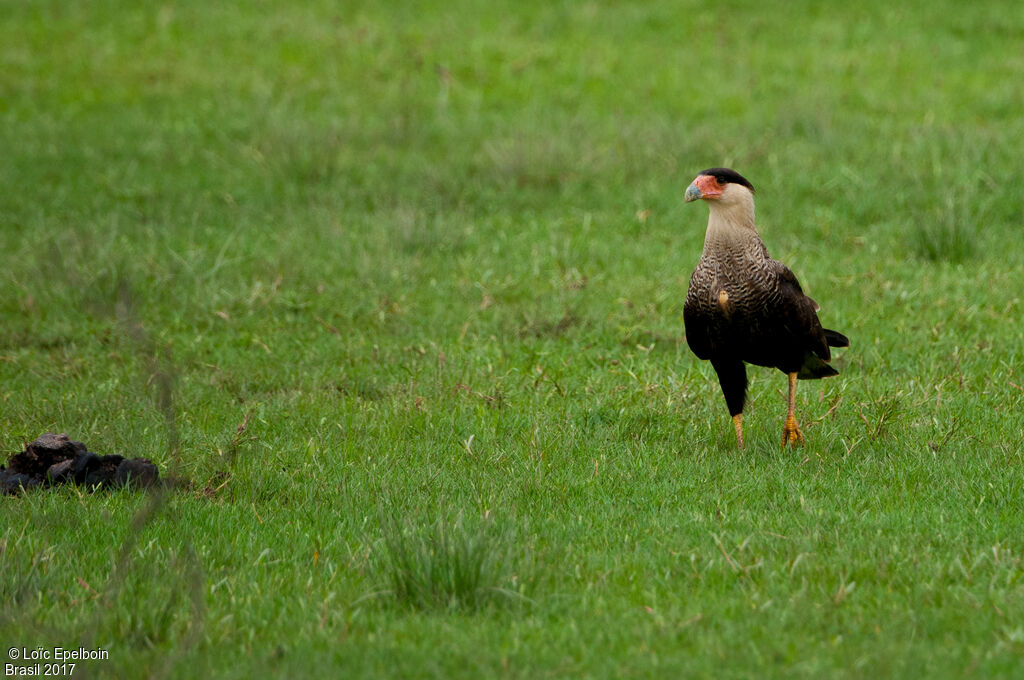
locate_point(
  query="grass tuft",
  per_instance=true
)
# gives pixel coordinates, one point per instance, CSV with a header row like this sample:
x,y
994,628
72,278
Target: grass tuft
x,y
450,565
948,238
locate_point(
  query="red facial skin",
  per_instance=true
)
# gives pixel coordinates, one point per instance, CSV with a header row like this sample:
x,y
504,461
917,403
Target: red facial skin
x,y
709,187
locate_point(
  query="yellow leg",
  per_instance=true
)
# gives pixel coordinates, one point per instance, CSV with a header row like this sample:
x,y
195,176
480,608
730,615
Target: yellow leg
x,y
737,420
791,434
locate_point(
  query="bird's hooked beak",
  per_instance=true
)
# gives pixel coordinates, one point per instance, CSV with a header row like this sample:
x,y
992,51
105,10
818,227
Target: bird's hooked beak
x,y
705,186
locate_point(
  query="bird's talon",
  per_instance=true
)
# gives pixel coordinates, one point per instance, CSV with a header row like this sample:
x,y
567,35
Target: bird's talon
x,y
791,434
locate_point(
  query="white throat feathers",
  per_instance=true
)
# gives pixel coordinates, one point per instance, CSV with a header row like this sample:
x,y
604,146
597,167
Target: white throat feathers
x,y
731,220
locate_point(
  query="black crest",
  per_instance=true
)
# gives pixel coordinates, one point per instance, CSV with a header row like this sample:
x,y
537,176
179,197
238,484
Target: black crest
x,y
728,176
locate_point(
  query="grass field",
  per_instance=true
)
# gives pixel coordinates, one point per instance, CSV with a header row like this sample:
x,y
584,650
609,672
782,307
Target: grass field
x,y
437,255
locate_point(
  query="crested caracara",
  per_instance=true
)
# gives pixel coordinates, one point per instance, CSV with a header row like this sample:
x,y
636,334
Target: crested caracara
x,y
743,306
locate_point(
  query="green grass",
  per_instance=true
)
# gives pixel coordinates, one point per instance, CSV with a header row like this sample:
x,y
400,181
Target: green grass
x,y
436,254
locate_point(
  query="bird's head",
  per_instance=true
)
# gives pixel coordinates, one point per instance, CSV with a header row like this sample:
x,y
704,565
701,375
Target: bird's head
x,y
720,186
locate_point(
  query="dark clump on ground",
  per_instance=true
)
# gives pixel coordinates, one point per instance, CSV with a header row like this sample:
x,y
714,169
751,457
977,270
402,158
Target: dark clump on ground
x,y
56,459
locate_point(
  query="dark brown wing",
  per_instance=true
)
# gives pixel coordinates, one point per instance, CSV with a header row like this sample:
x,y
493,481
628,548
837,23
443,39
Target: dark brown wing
x,y
809,354
800,313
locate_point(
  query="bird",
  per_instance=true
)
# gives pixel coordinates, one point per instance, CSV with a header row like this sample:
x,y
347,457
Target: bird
x,y
743,307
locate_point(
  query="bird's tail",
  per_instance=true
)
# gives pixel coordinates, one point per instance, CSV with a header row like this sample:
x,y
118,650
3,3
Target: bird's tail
x,y
815,367
836,339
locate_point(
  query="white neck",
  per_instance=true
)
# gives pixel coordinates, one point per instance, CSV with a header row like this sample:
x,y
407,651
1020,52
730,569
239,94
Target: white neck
x,y
731,222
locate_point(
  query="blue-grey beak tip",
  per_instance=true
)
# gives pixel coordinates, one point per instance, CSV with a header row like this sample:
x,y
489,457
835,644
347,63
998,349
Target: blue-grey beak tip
x,y
692,193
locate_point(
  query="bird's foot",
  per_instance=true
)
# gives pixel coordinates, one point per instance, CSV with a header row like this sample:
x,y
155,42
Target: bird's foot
x,y
791,434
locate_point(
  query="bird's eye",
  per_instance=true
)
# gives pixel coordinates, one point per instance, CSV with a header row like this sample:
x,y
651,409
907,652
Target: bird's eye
x,y
721,179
